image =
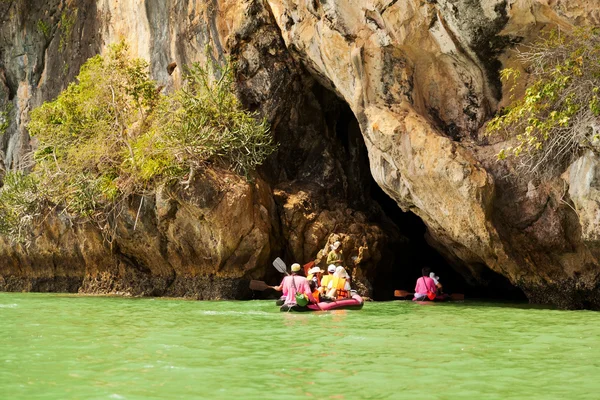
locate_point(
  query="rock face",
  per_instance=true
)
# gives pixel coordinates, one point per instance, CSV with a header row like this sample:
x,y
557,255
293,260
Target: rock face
x,y
204,242
208,241
311,221
421,79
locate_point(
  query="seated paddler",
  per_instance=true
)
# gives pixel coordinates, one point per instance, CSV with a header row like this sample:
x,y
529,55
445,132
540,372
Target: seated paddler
x,y
425,287
295,283
314,274
339,287
325,279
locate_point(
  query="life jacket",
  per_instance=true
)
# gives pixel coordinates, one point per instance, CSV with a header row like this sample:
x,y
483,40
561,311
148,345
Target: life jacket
x,y
316,295
325,279
340,285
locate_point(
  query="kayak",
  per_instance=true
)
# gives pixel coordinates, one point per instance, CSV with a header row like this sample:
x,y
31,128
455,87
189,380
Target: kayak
x,y
404,295
438,298
354,303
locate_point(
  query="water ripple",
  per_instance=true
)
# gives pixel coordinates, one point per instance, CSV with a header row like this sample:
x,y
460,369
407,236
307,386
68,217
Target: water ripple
x,y
73,347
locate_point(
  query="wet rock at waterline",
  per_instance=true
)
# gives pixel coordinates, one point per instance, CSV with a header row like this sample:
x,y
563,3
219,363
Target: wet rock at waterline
x,y
202,242
420,78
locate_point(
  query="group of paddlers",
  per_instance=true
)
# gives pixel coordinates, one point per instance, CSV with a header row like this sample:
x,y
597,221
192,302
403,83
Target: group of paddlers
x,y
317,286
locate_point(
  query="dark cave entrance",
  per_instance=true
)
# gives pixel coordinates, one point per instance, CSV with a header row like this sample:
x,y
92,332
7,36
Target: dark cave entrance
x,y
402,261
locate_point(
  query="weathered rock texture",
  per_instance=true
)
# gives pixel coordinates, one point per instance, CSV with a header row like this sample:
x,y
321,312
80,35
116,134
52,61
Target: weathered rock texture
x,y
312,220
421,78
208,241
205,242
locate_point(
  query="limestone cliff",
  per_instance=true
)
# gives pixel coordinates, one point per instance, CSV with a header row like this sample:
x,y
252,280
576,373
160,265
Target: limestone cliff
x,y
421,79
208,240
195,242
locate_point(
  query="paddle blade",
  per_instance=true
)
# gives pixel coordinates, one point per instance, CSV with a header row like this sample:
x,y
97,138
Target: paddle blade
x,y
280,265
402,293
259,285
457,296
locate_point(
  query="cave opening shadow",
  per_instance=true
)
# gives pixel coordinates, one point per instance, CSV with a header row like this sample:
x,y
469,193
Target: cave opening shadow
x,y
411,254
414,253
403,259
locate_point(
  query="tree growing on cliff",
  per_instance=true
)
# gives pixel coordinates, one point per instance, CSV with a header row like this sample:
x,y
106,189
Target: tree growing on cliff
x,y
113,135
558,116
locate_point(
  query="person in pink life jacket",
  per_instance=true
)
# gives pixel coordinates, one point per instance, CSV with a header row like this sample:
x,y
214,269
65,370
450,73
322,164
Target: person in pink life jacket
x,y
294,283
424,284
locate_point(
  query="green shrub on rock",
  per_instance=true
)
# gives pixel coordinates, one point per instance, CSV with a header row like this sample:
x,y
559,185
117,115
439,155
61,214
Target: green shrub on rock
x,y
112,135
19,204
207,122
559,114
85,135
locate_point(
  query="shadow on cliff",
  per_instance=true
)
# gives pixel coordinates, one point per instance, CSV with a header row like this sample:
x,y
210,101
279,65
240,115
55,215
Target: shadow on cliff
x,y
323,187
403,260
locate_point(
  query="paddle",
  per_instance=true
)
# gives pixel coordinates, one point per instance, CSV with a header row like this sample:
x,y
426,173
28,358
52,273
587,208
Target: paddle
x,y
457,296
280,266
259,285
404,293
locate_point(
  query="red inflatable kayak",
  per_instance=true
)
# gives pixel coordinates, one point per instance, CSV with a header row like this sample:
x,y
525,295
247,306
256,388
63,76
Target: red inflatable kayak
x,y
354,303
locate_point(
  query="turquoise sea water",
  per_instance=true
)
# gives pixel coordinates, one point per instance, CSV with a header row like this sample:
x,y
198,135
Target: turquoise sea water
x,y
75,347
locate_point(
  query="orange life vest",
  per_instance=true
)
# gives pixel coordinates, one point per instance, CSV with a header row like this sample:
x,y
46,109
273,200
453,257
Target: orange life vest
x,y
316,295
340,285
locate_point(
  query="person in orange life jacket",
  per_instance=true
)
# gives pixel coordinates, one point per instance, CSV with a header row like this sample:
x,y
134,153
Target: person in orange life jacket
x,y
295,283
314,290
314,280
339,287
424,284
325,279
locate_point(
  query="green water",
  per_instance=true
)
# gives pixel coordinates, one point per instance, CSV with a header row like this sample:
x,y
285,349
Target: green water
x,y
70,347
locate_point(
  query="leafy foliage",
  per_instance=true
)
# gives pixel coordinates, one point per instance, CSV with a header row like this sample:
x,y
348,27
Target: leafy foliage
x,y
43,28
204,121
5,112
559,113
67,21
112,135
19,204
85,135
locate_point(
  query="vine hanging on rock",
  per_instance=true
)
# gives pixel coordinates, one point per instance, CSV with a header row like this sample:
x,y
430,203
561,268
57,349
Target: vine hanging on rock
x,y
558,116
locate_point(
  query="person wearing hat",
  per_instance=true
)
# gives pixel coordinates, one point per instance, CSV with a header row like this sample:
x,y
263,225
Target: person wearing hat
x,y
335,256
325,279
314,280
339,287
314,274
425,287
295,283
436,280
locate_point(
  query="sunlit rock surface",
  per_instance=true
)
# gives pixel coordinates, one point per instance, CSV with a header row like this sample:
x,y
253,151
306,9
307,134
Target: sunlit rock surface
x,y
204,242
421,79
